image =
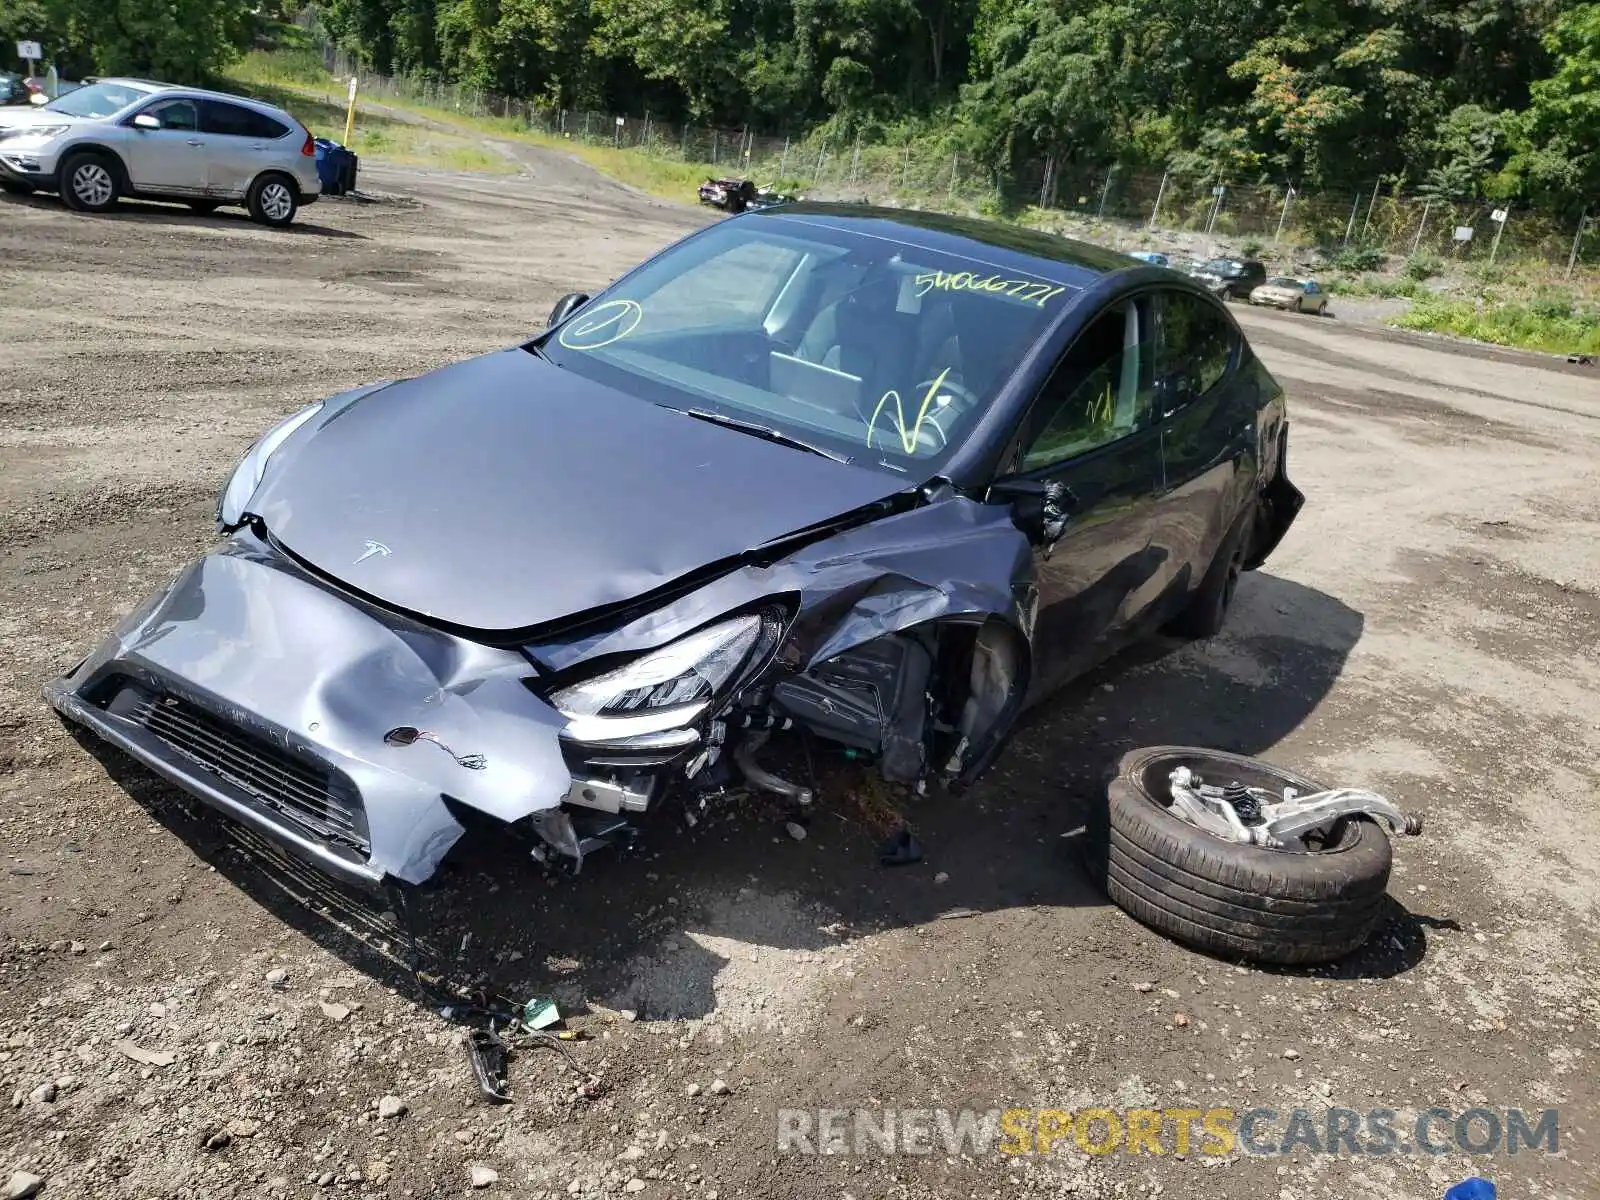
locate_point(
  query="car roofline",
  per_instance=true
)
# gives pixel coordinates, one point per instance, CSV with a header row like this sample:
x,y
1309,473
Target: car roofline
x,y
1063,260
156,87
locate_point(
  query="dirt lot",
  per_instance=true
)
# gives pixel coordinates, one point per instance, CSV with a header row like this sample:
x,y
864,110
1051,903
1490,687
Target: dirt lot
x,y
1431,628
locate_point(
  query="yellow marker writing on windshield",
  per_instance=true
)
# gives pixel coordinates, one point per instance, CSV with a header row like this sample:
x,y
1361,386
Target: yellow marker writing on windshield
x,y
908,440
601,325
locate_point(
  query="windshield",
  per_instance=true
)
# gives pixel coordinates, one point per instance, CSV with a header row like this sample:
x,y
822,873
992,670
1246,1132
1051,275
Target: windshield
x,y
870,349
1284,281
97,100
1223,266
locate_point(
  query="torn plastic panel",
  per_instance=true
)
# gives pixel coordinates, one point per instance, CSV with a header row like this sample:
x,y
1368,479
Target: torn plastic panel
x,y
861,662
270,697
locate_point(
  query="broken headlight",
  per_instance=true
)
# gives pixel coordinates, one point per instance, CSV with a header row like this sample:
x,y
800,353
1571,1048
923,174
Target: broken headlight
x,y
247,475
669,688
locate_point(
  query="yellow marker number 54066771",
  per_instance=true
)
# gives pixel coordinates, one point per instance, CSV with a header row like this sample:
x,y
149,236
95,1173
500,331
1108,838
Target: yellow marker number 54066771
x,y
1031,290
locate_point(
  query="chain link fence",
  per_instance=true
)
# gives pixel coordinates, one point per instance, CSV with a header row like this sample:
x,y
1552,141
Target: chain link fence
x,y
1141,206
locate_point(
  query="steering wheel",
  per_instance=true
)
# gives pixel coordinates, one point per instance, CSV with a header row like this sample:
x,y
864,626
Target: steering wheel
x,y
929,433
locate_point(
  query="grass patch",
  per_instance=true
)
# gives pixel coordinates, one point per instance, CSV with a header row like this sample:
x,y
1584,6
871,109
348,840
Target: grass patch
x,y
1507,325
299,83
378,138
1382,287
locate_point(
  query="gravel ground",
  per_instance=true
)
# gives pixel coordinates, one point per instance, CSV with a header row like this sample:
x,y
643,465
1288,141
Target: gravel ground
x,y
185,1013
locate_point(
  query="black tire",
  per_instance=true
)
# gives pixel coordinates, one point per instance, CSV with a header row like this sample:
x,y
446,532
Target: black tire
x,y
11,187
90,181
1297,306
204,207
1235,901
273,199
1207,609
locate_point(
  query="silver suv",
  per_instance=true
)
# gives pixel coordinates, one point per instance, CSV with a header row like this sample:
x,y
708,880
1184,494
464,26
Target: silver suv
x,y
131,137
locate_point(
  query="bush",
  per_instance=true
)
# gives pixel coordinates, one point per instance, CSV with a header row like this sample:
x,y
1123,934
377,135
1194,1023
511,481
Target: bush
x,y
1552,304
1358,258
1253,246
1421,267
1506,325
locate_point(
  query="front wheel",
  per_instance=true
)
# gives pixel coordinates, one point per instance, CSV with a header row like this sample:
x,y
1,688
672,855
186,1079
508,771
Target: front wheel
x,y
89,182
273,201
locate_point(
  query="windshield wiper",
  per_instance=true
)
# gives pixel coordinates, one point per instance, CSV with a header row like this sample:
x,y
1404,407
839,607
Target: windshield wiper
x,y
765,432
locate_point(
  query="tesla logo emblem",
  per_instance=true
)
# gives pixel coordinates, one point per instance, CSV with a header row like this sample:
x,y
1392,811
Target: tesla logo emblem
x,y
372,550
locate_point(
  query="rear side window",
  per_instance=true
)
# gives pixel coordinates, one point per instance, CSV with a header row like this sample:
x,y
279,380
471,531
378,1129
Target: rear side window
x,y
233,120
1196,343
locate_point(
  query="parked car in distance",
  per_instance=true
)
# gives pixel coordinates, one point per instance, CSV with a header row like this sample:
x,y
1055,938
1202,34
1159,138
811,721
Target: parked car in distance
x,y
1231,278
881,476
131,137
15,90
1154,257
1296,295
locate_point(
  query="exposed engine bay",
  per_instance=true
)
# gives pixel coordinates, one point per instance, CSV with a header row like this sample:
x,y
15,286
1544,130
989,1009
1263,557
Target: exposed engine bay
x,y
910,704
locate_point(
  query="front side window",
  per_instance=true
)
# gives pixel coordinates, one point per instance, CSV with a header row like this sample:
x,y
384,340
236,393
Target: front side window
x,y
97,100
176,114
878,350
1196,345
1099,392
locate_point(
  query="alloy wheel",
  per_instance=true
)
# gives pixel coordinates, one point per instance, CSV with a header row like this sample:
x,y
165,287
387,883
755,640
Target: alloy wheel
x,y
276,201
92,184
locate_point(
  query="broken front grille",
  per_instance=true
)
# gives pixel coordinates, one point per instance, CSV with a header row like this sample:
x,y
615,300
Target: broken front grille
x,y
312,795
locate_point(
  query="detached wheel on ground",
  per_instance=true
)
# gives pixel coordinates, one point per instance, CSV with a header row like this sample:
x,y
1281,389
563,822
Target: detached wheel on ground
x,y
90,182
273,200
1314,901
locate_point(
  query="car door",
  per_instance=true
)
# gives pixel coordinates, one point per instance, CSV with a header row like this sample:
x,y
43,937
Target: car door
x,y
1090,432
169,159
1206,411
239,142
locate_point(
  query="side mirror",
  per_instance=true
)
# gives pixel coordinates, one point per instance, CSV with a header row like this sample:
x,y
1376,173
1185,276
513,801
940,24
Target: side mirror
x,y
1039,509
146,121
565,307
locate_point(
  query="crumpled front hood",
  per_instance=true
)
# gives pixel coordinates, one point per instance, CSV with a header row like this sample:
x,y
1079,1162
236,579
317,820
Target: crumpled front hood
x,y
502,493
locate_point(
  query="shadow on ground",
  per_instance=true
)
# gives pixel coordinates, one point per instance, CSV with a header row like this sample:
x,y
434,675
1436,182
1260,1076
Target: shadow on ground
x,y
493,920
152,213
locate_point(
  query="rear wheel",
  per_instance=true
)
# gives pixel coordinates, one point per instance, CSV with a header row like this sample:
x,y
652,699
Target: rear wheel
x,y
1208,607
90,182
203,207
273,200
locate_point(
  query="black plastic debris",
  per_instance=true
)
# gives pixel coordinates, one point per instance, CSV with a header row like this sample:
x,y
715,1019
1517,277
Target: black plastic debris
x,y
489,1059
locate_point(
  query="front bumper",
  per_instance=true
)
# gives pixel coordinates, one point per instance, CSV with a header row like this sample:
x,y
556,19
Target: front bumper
x,y
36,168
265,694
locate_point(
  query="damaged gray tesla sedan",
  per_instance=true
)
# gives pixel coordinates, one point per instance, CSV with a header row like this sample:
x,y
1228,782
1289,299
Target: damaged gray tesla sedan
x,y
883,477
